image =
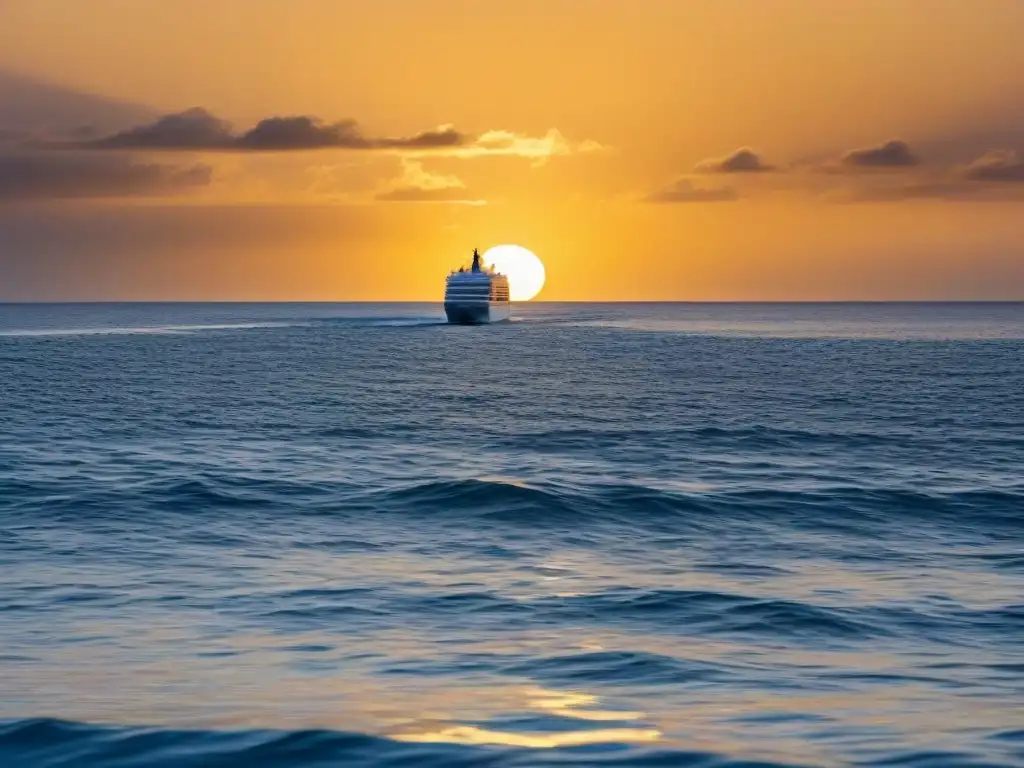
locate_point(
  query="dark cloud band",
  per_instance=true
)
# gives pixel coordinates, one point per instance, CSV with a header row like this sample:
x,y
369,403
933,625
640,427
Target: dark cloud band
x,y
198,130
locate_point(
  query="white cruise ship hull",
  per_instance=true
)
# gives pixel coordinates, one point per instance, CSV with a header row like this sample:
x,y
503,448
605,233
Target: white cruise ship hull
x,y
476,296
477,312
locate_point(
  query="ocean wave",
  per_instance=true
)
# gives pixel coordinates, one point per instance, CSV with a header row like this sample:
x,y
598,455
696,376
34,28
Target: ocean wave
x,y
51,743
492,499
856,510
849,508
48,743
199,495
617,667
702,613
756,438
816,622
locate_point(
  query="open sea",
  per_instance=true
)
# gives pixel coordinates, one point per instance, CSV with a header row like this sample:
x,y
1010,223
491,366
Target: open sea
x,y
599,535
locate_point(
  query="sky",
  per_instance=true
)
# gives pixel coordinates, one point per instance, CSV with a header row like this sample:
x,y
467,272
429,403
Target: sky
x,y
646,150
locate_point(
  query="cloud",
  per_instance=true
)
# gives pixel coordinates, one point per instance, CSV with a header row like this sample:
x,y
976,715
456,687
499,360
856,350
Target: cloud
x,y
43,176
683,191
991,177
417,185
539,149
741,161
197,129
439,138
996,165
417,195
193,129
284,133
892,154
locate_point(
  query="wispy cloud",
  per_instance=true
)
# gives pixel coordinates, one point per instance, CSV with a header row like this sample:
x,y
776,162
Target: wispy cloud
x,y
683,190
198,130
538,149
417,185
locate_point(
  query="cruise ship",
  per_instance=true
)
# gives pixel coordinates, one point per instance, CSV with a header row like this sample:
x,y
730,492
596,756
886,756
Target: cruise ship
x,y
476,295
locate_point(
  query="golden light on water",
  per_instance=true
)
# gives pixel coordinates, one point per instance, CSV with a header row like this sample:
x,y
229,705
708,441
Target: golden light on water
x,y
472,735
524,269
566,704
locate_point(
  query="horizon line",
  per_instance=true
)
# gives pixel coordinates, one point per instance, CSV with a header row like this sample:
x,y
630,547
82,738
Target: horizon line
x,y
30,302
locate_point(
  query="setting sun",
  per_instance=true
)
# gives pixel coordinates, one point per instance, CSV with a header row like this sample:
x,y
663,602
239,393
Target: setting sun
x,y
524,270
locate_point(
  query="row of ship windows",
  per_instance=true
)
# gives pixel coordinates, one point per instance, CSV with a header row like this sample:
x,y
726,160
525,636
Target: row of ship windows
x,y
476,295
476,288
473,299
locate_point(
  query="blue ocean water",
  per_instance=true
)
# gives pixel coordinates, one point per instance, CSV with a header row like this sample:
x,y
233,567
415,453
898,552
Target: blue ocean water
x,y
609,535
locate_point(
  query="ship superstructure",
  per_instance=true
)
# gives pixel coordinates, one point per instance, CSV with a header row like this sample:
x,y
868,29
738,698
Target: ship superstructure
x,y
476,295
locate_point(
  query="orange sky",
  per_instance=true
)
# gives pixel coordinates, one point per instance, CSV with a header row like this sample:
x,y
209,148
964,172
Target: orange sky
x,y
603,134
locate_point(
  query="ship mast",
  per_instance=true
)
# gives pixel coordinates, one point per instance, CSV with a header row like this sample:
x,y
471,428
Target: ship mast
x,y
476,260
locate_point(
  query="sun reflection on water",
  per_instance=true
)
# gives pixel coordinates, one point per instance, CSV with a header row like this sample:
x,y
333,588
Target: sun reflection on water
x,y
474,736
566,706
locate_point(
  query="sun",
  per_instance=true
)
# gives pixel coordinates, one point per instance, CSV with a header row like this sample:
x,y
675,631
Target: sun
x,y
524,270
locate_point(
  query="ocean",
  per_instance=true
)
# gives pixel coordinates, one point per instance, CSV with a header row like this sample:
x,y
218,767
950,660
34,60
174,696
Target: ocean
x,y
599,535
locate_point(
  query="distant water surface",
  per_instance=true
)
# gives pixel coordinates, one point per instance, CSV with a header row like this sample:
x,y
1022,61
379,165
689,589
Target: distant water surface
x,y
608,535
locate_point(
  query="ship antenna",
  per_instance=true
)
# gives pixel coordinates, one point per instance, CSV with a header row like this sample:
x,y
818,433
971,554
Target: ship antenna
x,y
476,260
